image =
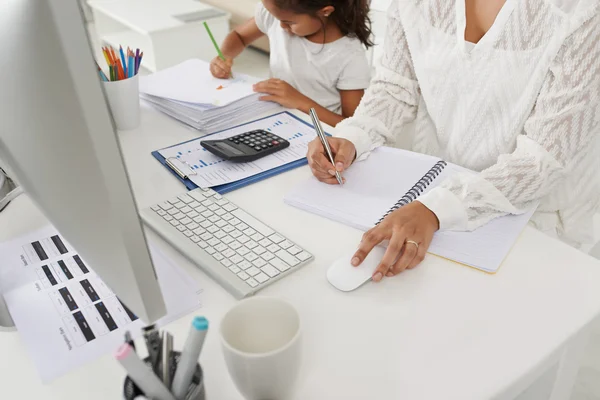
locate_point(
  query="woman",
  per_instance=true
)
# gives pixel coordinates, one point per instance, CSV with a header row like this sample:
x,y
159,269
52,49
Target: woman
x,y
510,88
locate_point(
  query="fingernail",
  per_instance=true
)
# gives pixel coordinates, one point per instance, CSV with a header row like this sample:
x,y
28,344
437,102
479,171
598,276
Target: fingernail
x,y
339,166
331,172
389,274
377,277
355,261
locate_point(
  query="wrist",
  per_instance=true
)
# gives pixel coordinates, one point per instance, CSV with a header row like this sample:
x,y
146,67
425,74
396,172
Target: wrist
x,y
305,104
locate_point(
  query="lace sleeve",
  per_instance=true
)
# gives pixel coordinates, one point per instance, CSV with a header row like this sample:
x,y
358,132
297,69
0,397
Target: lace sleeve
x,y
392,97
558,136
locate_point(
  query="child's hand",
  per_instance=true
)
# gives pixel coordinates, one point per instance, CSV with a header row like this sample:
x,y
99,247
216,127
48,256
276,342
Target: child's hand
x,y
283,93
221,69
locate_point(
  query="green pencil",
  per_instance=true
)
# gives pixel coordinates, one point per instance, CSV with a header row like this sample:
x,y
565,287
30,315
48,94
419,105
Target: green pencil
x,y
212,38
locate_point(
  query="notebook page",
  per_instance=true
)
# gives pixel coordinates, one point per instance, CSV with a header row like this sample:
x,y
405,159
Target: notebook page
x,y
363,200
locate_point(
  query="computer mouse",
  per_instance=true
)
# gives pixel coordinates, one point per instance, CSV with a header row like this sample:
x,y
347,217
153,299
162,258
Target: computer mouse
x,y
345,277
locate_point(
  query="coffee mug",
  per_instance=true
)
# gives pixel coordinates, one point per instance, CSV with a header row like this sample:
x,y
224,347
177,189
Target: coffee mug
x,y
261,340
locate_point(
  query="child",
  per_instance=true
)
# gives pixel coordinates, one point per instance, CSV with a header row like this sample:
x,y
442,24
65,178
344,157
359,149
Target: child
x,y
318,57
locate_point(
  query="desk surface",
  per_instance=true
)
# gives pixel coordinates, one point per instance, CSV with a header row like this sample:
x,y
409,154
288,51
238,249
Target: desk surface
x,y
440,331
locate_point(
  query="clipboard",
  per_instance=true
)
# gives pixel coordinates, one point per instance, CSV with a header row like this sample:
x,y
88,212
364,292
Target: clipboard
x,y
182,172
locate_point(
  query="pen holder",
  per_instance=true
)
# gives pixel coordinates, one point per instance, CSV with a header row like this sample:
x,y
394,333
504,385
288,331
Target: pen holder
x,y
124,100
195,391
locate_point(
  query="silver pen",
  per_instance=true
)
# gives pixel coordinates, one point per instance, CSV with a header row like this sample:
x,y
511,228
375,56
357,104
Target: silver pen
x,y
321,135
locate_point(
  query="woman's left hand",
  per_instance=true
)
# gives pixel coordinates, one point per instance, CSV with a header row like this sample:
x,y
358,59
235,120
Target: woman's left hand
x,y
283,93
409,231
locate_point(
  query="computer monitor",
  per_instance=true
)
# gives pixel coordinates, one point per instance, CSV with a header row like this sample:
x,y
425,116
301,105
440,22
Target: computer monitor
x,y
59,141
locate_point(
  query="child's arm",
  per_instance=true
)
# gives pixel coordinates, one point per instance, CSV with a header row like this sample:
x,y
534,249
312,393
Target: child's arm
x,y
350,100
232,46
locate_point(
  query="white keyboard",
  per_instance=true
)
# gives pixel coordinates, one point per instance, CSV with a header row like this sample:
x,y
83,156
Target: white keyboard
x,y
237,250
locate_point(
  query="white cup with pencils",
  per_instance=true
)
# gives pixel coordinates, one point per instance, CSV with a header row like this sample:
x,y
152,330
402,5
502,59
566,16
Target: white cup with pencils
x,y
121,85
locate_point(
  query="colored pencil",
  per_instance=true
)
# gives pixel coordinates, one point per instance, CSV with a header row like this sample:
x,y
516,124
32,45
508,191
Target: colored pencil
x,y
124,63
130,67
214,42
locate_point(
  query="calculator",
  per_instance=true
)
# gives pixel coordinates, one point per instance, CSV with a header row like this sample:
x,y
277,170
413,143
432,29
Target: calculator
x,y
246,147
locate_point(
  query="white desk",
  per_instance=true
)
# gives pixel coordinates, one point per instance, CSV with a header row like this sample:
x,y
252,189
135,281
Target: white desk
x,y
440,331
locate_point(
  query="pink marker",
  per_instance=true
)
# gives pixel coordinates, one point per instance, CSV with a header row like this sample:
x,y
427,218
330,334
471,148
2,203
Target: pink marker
x,y
141,374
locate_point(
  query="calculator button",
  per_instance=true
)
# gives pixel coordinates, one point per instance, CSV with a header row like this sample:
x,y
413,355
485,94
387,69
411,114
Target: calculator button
x,y
264,146
274,142
257,148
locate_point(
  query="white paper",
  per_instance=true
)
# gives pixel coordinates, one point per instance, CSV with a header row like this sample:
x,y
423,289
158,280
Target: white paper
x,y
211,170
68,317
373,186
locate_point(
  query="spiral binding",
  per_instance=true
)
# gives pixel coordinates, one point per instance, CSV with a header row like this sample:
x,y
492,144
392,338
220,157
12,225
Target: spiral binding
x,y
418,188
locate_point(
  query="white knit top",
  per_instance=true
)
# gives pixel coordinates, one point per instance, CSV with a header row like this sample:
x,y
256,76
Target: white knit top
x,y
522,107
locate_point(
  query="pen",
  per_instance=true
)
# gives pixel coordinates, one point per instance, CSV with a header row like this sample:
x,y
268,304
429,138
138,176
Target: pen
x,y
152,338
189,357
321,135
212,38
141,375
167,348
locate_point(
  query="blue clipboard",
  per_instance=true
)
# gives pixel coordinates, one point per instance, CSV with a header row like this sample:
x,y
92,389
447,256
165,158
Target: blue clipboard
x,y
242,182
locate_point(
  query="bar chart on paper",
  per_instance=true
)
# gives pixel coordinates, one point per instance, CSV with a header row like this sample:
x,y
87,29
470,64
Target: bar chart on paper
x,y
207,170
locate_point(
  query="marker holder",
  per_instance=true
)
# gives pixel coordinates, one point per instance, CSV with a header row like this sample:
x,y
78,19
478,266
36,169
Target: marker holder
x,y
195,391
124,100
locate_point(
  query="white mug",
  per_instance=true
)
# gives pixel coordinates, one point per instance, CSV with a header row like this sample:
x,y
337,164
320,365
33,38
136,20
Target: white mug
x,y
261,344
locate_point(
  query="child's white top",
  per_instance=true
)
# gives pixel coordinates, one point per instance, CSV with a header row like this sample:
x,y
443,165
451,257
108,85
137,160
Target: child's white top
x,y
317,71
522,106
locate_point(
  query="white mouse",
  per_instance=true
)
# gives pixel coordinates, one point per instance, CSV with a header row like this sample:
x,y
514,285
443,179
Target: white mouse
x,y
345,277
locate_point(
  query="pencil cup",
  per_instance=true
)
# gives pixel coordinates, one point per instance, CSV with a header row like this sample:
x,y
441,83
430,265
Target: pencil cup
x,y
195,391
124,100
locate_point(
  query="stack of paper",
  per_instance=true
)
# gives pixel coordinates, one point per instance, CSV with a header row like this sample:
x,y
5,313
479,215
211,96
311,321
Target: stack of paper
x,y
189,93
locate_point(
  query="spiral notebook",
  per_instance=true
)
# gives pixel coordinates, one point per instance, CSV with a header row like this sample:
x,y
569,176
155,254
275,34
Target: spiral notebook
x,y
391,178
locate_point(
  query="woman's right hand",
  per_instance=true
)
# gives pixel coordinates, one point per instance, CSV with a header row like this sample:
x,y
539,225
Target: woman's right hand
x,y
344,154
220,68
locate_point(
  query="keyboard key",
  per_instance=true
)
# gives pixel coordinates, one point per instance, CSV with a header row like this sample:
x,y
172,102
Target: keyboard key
x,y
188,233
288,258
268,256
185,221
214,219
214,207
206,236
192,225
228,228
198,219
227,217
273,248
228,252
251,244
173,211
155,208
276,238
265,242
286,244
220,212
257,236
168,218
235,234
206,224
174,222
259,262
181,228
251,256
200,209
210,250
242,226
221,247
236,259
244,264
229,207
220,223
233,268
165,206
194,238
202,244
207,214
197,195
179,216
261,278
259,250
243,251
207,202
185,198
218,256
227,239
213,242
220,235
235,245
252,282
253,271
269,270
249,232
243,275
222,202
280,265
192,214
193,204
294,250
179,204
244,239
216,196
212,229
199,231
253,222
186,210
226,262
303,256
235,221
173,201
162,213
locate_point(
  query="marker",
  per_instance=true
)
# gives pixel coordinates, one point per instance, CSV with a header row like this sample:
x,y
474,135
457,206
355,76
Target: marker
x,y
141,374
167,348
189,357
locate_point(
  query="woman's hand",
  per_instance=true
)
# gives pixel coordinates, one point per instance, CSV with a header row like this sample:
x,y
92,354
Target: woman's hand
x,y
221,68
283,93
409,231
343,151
